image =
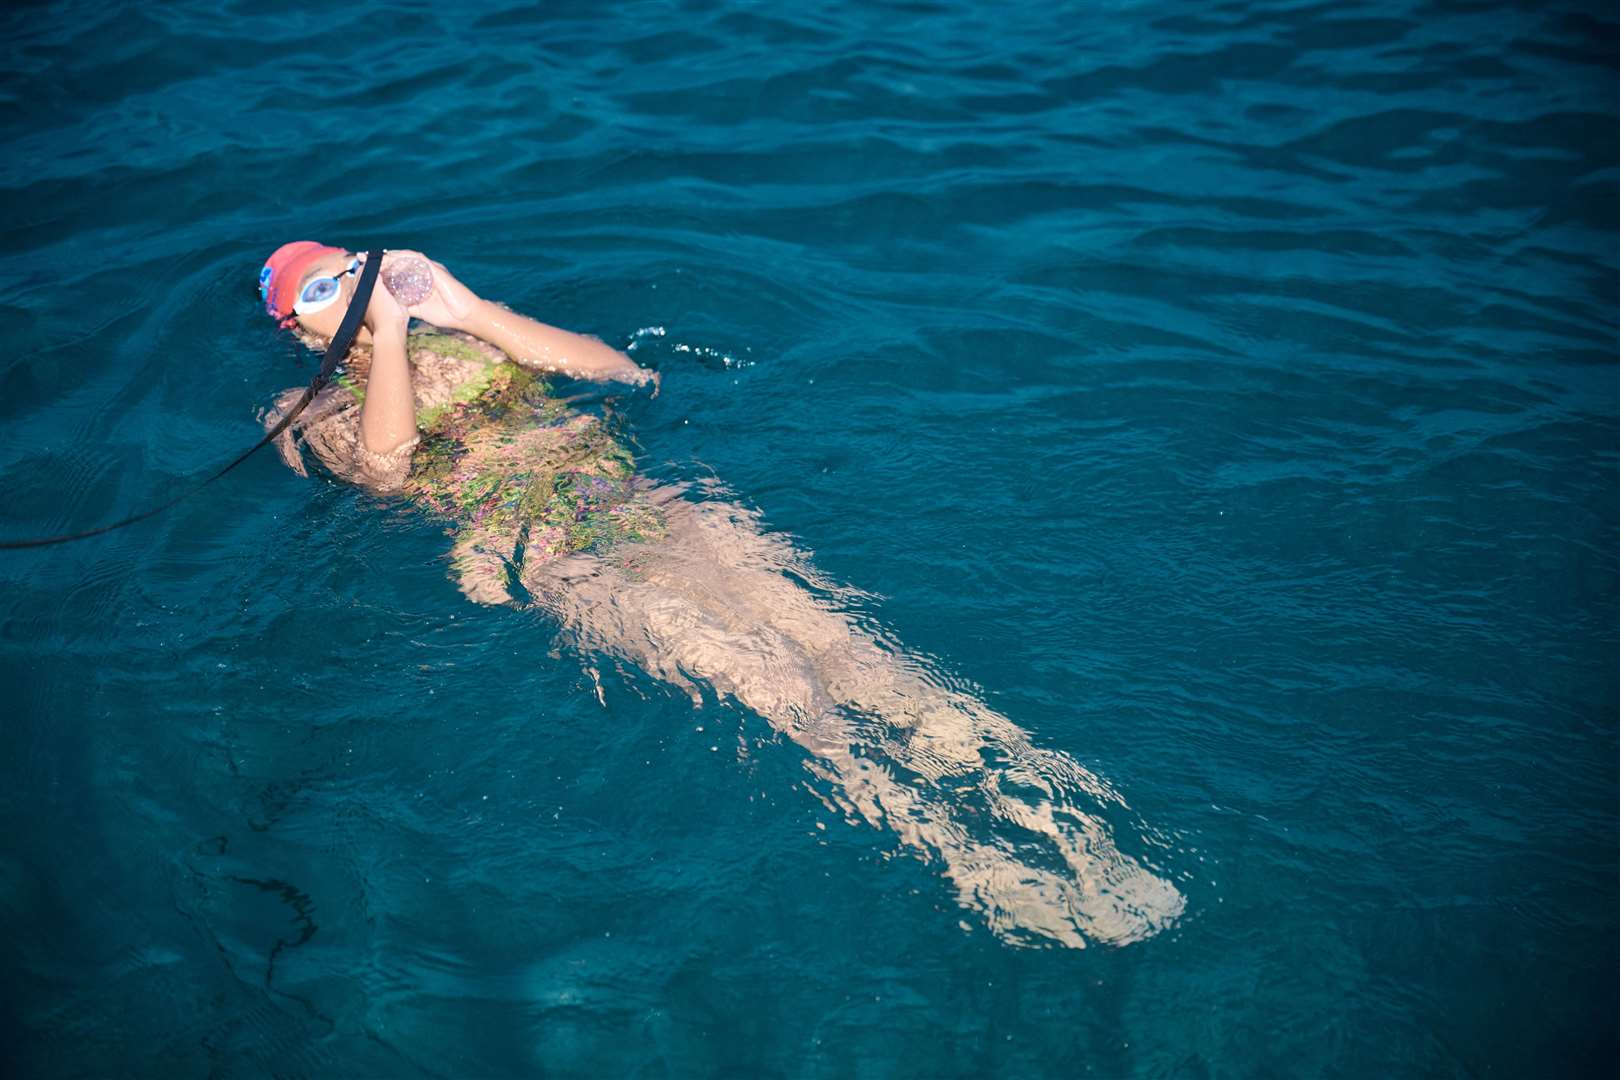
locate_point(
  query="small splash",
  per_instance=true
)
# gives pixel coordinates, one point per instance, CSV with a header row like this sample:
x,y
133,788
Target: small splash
x,y
710,357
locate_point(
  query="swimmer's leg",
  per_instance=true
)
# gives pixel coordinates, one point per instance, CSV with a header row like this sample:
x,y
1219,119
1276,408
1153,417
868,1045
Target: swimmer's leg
x,y
481,561
721,602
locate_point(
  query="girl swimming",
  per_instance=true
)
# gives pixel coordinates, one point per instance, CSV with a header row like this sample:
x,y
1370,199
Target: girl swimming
x,y
545,509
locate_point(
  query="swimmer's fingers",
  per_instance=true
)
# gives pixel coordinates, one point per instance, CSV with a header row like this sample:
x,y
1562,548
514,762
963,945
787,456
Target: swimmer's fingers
x,y
450,303
458,299
384,310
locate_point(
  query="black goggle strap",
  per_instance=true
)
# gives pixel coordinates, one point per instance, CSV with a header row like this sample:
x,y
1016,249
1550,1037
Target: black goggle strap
x,y
335,352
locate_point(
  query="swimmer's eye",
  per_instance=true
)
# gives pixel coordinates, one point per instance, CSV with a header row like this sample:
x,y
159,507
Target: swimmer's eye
x,y
317,294
322,291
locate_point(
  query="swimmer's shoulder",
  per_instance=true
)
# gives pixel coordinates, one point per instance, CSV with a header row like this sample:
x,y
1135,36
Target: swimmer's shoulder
x,y
432,344
447,364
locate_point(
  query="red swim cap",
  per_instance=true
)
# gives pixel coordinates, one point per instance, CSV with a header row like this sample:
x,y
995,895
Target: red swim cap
x,y
278,281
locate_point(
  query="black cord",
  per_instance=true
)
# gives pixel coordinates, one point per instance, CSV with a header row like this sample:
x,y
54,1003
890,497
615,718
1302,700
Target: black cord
x,y
335,352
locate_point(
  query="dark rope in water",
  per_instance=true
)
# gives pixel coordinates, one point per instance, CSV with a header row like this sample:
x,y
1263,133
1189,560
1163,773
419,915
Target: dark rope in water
x,y
334,355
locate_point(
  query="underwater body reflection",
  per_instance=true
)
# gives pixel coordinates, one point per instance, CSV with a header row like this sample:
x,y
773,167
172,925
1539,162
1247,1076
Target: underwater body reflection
x,y
721,602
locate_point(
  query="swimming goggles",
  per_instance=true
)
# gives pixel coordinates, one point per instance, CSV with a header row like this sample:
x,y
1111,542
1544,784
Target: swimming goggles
x,y
321,293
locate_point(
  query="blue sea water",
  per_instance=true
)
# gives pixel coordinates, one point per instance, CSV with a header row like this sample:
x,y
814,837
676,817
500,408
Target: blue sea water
x,y
1229,392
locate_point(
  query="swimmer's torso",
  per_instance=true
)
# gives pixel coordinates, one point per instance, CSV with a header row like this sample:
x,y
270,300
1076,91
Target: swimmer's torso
x,y
499,457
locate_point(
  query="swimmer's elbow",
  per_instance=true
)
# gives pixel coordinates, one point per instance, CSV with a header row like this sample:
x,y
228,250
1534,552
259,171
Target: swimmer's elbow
x,y
285,445
385,473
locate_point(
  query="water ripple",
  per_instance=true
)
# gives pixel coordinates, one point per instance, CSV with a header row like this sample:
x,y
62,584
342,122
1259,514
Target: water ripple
x,y
1226,393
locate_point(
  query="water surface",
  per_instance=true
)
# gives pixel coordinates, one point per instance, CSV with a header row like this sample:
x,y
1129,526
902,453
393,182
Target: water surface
x,y
1227,393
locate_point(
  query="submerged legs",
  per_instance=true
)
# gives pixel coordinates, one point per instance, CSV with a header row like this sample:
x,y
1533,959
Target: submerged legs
x,y
723,604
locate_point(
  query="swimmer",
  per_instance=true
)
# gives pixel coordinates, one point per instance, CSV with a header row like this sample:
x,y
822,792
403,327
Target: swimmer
x,y
545,509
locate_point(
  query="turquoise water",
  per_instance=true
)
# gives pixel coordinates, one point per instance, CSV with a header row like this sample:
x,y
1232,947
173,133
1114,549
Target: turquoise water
x,y
1227,392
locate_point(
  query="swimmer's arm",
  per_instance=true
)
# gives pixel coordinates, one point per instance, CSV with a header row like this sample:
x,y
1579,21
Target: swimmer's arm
x,y
532,343
548,348
388,414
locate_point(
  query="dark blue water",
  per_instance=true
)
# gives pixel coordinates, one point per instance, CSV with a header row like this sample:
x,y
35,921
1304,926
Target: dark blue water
x,y
1228,391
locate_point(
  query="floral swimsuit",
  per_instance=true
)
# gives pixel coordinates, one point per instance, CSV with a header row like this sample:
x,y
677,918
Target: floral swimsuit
x,y
508,464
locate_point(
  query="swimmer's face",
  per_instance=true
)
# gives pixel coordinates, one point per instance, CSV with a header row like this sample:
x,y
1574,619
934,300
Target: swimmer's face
x,y
325,322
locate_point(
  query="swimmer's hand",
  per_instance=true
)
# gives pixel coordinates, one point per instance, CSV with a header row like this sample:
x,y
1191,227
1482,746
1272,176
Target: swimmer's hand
x,y
383,313
450,304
